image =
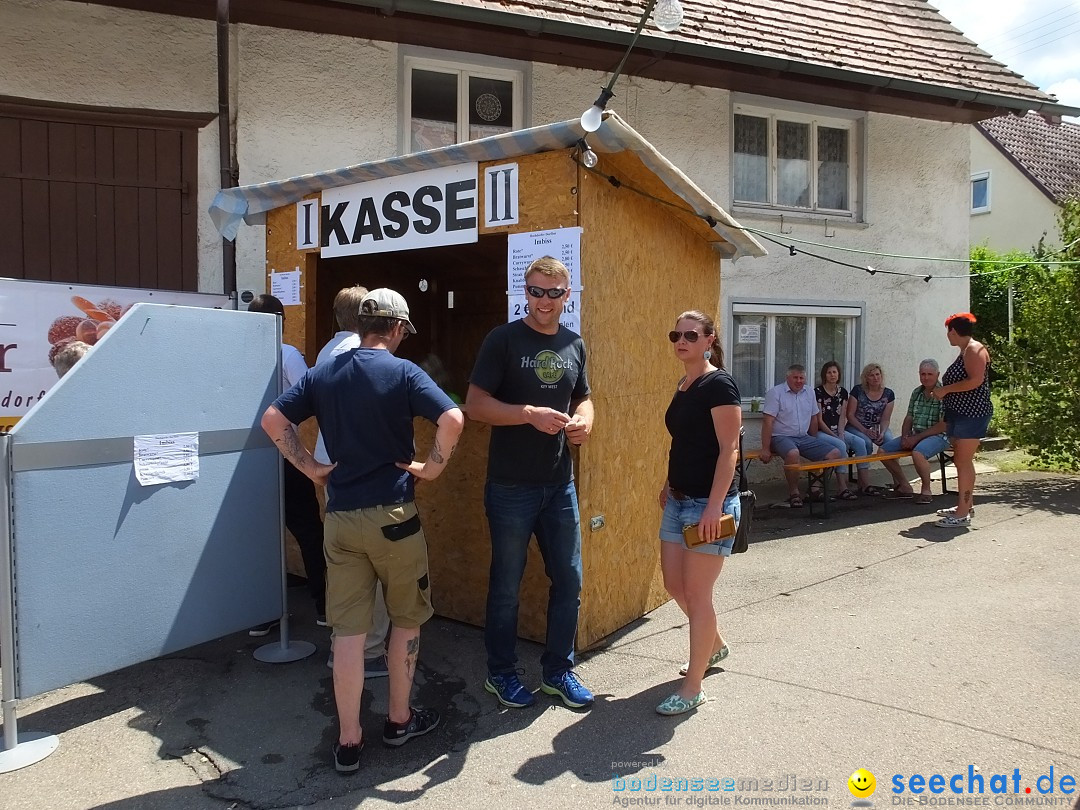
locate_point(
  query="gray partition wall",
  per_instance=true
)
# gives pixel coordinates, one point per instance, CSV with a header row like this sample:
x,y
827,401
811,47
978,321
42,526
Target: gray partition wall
x,y
108,572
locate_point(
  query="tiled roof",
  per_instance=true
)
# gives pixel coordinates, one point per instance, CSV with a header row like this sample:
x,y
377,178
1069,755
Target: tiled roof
x,y
901,40
1049,154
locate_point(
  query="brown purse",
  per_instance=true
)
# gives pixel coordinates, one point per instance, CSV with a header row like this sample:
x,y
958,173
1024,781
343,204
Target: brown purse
x,y
692,539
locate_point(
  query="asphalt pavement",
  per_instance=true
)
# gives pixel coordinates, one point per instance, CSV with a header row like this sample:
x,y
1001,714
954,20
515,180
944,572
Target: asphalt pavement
x,y
872,639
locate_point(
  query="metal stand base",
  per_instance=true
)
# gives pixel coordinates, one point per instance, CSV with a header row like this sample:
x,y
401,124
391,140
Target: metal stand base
x,y
278,653
33,746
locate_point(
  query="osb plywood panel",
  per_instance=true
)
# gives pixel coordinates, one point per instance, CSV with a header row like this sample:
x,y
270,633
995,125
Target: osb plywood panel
x,y
547,184
629,170
459,549
283,257
641,267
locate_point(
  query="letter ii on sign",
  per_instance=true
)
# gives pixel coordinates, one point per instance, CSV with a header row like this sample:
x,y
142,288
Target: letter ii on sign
x,y
501,191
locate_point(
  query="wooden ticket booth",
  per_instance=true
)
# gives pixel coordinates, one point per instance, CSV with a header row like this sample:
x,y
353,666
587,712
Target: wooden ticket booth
x,y
650,245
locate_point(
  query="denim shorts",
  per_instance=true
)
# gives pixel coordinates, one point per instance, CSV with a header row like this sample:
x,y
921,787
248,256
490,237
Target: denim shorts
x,y
810,447
965,427
682,513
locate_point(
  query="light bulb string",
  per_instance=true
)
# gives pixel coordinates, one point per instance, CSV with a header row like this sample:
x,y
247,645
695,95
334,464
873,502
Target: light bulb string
x,y
626,55
794,251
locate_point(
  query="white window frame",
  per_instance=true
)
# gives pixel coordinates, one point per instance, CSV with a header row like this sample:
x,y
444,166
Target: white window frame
x,y
850,124
853,312
464,70
975,177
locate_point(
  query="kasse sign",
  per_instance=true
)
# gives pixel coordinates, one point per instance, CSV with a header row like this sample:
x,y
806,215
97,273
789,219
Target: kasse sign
x,y
418,210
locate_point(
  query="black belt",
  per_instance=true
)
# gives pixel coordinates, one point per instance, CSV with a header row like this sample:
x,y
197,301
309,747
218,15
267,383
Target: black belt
x,y
680,496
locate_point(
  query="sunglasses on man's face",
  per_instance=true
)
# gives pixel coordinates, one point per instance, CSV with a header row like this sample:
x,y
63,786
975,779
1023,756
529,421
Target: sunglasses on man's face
x,y
540,292
690,335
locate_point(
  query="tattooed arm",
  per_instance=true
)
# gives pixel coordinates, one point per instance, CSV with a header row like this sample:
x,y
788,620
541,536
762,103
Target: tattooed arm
x,y
447,431
283,433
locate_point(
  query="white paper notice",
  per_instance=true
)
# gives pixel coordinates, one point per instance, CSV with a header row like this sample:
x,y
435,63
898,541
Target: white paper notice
x,y
285,287
166,458
522,249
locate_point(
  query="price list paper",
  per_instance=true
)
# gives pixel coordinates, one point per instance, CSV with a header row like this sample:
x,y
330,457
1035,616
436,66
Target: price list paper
x,y
523,249
166,458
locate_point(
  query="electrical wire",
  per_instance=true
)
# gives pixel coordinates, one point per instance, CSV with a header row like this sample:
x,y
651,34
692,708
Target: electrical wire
x,y
778,239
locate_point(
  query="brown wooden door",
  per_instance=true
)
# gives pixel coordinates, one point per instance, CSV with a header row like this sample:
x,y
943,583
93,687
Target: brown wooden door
x,y
96,196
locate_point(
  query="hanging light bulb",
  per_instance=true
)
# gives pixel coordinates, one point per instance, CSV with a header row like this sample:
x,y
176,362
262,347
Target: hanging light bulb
x,y
588,156
668,15
593,117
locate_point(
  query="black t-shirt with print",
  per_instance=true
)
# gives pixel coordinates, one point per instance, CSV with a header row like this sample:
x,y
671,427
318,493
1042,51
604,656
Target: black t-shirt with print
x,y
518,365
694,448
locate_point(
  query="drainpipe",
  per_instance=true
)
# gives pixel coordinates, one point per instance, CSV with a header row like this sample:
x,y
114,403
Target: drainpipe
x,y
228,248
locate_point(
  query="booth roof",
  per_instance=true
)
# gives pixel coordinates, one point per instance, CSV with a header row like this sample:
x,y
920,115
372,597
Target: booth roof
x,y
248,204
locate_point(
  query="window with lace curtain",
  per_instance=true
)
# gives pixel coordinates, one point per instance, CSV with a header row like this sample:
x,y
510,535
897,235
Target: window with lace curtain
x,y
793,161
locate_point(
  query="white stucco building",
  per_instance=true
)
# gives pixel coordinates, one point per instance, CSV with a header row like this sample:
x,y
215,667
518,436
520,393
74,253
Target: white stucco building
x,y
837,123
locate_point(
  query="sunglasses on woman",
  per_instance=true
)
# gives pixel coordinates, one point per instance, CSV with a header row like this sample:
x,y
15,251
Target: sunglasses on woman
x,y
690,335
540,292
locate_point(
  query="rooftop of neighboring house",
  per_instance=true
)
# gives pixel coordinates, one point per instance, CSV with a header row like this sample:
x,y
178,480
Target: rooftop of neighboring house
x,y
906,42
1048,154
894,56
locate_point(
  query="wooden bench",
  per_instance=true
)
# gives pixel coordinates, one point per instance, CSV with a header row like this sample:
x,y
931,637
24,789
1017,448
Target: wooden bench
x,y
819,472
944,459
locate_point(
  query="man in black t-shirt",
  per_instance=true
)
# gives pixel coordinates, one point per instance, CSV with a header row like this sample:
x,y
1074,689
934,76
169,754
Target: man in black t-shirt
x,y
529,383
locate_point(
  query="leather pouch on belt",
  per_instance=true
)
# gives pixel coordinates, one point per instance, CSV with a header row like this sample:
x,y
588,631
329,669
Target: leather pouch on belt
x,y
399,531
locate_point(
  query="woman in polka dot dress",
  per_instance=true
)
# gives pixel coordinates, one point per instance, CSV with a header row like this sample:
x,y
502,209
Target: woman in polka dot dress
x,y
965,393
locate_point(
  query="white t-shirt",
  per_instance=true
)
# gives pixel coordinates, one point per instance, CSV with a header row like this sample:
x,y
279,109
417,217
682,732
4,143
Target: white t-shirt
x,y
338,344
293,367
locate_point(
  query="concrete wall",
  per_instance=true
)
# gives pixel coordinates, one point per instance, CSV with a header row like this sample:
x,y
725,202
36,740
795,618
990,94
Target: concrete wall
x,y
1019,212
306,102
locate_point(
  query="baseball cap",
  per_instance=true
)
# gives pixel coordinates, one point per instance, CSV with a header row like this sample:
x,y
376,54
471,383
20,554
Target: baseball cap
x,y
385,303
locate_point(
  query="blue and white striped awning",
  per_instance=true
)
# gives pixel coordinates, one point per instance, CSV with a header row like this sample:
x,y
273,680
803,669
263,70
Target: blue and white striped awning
x,y
248,204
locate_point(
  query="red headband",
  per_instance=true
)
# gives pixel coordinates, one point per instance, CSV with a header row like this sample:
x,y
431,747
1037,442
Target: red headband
x,y
967,316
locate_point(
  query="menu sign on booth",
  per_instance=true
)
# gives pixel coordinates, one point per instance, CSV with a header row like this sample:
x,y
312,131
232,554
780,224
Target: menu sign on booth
x,y
523,249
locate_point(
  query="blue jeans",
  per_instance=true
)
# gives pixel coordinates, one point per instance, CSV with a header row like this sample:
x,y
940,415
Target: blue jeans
x,y
927,448
849,442
864,444
514,514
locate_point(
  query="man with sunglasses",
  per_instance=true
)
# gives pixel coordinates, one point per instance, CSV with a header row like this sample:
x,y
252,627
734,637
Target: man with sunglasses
x,y
529,383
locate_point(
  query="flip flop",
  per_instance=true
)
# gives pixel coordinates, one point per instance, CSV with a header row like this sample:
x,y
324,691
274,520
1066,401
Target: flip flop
x,y
897,495
873,491
848,495
924,498
795,502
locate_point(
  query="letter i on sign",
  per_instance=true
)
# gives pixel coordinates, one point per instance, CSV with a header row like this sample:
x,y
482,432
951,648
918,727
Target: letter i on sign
x,y
307,224
501,190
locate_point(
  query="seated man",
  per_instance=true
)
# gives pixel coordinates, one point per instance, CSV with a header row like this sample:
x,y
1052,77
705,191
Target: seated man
x,y
790,414
923,434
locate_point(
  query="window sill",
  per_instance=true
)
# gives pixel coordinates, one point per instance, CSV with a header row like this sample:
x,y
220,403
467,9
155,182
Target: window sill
x,y
792,215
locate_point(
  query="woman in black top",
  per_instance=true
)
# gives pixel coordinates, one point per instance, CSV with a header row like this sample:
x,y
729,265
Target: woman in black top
x,y
704,420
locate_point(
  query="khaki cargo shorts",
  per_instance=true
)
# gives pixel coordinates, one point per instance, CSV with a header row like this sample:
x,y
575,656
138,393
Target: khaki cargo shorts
x,y
380,544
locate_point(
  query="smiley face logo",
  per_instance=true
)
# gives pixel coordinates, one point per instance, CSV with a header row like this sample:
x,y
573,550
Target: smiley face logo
x,y
861,783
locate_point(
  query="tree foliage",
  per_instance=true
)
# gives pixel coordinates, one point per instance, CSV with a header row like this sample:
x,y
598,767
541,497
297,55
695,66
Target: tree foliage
x,y
1041,366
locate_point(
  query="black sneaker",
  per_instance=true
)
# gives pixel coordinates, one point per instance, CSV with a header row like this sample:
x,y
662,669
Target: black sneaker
x,y
264,629
347,757
421,721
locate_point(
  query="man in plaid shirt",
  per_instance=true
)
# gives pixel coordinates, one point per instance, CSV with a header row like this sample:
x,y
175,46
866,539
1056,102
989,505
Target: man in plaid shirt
x,y
923,434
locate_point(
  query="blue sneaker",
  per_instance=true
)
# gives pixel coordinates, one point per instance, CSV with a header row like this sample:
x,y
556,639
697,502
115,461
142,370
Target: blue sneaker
x,y
510,691
572,691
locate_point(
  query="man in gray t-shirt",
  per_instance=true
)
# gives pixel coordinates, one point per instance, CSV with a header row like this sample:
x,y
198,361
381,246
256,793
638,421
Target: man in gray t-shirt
x,y
529,384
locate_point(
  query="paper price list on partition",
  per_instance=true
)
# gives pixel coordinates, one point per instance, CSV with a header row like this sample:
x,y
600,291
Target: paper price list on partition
x,y
523,249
